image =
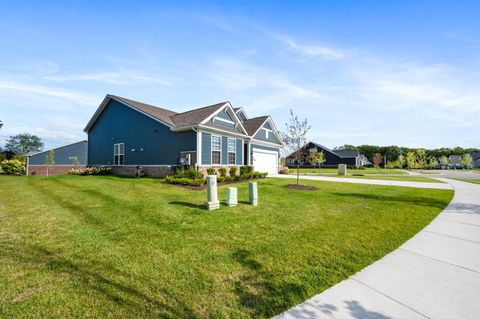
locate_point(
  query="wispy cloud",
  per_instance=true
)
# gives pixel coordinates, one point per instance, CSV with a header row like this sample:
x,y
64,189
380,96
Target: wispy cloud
x,y
309,51
118,77
70,95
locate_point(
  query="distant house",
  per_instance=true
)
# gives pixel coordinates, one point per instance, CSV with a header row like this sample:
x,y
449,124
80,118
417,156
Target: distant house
x,y
125,134
455,161
332,157
66,157
476,159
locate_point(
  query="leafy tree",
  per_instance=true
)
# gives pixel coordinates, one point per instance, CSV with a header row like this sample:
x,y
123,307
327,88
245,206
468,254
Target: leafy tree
x,y
377,160
411,160
24,143
421,158
401,161
294,138
316,158
346,147
75,161
49,160
466,160
444,161
432,162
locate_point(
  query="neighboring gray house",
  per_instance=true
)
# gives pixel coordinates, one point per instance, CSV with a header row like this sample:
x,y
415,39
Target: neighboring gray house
x,y
65,157
455,161
124,134
332,157
476,159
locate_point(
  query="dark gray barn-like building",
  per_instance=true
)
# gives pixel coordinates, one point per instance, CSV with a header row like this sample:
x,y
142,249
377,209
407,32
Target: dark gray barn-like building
x,y
332,157
64,159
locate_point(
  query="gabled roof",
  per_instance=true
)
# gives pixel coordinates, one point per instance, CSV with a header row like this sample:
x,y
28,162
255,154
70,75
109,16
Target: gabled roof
x,y
196,116
253,125
55,148
157,112
347,153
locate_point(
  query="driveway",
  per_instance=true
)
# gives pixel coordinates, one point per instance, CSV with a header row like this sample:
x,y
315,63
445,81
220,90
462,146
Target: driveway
x,y
369,181
436,274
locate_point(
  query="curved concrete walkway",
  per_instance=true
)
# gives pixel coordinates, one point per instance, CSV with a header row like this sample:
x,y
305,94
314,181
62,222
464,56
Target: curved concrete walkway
x,y
368,181
436,274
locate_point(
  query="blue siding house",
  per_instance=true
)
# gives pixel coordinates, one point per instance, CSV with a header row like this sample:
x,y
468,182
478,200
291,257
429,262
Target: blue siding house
x,y
126,134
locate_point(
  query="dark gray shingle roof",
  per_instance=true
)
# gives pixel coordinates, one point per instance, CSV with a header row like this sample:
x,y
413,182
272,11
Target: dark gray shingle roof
x,y
252,125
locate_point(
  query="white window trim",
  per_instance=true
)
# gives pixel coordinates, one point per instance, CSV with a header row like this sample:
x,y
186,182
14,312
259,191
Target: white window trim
x,y
267,131
114,154
234,151
211,150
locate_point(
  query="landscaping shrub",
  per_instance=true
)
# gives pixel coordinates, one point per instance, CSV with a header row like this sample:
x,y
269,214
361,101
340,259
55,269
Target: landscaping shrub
x,y
284,170
221,178
211,171
233,171
190,172
185,181
12,166
245,170
1,170
102,170
223,171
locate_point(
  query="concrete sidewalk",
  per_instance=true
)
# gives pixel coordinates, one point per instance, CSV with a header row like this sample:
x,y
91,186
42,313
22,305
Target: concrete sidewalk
x,y
368,181
436,274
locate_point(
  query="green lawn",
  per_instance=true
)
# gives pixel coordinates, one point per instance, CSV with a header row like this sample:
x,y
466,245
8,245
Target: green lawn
x,y
330,171
102,246
475,181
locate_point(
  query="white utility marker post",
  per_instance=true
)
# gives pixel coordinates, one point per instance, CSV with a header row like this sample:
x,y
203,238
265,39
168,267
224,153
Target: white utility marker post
x,y
232,196
342,169
253,193
212,202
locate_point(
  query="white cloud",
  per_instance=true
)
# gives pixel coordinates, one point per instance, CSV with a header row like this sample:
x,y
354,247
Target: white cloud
x,y
124,77
72,96
309,50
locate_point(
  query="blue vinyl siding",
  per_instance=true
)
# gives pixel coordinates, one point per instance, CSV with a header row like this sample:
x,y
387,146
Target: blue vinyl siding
x,y
62,155
224,150
241,117
119,123
207,149
254,146
261,135
238,156
223,125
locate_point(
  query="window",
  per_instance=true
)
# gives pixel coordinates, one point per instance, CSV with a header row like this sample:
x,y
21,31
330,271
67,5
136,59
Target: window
x,y
231,151
216,149
118,154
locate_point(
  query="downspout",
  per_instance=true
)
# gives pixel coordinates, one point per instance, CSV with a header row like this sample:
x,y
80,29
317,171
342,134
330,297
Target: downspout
x,y
196,131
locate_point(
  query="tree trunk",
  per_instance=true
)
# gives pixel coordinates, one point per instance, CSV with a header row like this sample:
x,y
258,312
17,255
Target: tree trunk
x,y
298,171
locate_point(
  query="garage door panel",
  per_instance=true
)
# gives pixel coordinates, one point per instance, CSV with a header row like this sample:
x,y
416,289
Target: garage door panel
x,y
265,162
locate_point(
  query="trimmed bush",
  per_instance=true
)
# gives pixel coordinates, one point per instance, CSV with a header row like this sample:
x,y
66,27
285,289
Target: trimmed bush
x,y
12,166
102,170
233,171
245,170
185,181
223,171
284,170
190,172
211,171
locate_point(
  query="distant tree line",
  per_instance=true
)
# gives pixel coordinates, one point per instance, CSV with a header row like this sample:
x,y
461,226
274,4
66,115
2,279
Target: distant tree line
x,y
397,156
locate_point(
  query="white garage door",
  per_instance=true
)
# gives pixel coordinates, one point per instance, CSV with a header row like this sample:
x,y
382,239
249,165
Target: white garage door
x,y
265,161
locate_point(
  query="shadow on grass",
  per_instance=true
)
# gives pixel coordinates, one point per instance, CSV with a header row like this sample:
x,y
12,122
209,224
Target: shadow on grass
x,y
188,204
261,293
417,200
94,277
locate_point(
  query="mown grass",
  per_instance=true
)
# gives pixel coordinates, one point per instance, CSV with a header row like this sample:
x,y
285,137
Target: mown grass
x,y
73,246
407,178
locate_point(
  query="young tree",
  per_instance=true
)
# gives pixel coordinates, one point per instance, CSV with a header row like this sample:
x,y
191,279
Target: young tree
x,y
316,158
401,161
377,159
466,160
294,138
49,160
75,161
24,143
432,162
411,160
444,161
421,158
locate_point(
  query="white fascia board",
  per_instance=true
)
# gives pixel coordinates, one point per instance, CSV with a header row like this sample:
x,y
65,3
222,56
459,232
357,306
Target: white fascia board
x,y
275,131
217,130
232,113
264,143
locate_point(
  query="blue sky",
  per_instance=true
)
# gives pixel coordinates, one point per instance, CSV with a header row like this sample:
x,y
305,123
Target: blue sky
x,y
362,72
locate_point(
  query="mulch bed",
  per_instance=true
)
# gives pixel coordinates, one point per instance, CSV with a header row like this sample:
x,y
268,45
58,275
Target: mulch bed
x,y
300,187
